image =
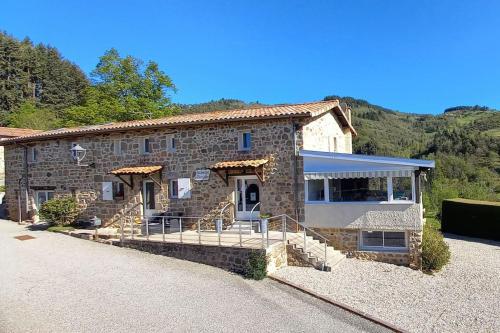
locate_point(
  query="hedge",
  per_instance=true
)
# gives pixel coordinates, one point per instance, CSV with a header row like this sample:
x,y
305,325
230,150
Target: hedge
x,y
472,218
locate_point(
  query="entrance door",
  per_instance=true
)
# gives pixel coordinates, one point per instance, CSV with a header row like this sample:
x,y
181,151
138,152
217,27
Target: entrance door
x,y
247,196
148,196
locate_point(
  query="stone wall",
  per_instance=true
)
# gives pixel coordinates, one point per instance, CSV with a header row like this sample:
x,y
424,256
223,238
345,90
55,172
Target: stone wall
x,y
326,133
347,241
2,167
234,259
196,147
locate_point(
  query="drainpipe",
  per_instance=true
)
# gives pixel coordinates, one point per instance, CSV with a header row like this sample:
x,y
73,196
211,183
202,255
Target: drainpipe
x,y
295,126
25,177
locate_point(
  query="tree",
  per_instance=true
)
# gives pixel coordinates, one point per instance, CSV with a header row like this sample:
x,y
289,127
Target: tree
x,y
29,116
38,74
124,89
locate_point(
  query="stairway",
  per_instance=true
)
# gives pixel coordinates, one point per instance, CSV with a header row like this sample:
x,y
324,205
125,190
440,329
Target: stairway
x,y
247,227
315,251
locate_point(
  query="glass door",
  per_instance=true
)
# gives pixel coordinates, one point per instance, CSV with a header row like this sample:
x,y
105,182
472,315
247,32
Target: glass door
x,y
247,196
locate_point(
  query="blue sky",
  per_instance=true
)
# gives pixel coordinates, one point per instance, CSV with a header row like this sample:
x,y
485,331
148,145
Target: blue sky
x,y
413,56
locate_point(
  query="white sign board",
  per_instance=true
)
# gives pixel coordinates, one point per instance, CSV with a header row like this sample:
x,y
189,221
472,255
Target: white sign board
x,y
202,174
184,188
107,191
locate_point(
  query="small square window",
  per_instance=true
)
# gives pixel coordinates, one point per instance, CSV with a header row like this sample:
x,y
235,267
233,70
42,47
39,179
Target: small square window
x,y
245,141
73,153
33,154
118,191
117,147
174,188
146,146
171,143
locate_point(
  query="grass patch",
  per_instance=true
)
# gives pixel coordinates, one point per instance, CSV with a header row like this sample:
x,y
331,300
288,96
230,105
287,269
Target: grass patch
x,y
57,228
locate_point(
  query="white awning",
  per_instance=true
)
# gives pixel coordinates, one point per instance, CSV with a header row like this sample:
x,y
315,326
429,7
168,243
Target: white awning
x,y
357,174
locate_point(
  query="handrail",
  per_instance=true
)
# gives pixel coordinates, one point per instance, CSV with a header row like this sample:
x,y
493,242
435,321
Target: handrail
x,y
251,212
224,208
306,229
300,224
126,213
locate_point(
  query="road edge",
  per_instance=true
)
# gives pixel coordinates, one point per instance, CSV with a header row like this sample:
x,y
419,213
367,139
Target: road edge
x,y
337,304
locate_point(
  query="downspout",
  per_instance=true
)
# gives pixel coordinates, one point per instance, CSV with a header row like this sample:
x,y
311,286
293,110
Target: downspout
x,y
25,176
295,169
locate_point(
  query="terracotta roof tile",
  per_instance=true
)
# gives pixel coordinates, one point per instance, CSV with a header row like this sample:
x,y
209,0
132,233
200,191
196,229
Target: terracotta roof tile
x,y
137,170
11,132
263,112
239,164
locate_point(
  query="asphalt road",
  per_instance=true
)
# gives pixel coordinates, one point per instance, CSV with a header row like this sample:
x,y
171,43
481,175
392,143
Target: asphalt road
x,y
57,283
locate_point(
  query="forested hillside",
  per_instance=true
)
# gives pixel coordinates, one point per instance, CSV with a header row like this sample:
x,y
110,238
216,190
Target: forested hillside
x,y
464,141
42,90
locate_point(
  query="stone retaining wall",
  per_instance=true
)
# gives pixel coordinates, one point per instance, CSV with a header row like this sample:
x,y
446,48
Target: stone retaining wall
x,y
234,259
347,241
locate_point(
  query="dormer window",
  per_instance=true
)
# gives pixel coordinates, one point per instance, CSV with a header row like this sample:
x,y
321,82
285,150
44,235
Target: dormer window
x,y
245,141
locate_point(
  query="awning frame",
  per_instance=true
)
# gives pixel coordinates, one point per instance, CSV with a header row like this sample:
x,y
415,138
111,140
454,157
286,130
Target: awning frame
x,y
225,173
144,175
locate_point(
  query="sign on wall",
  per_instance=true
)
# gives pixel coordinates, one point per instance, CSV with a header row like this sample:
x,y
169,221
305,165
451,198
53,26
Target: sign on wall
x,y
107,191
202,174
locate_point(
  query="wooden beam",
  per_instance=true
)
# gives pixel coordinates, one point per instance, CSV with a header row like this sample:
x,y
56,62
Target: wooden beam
x,y
131,185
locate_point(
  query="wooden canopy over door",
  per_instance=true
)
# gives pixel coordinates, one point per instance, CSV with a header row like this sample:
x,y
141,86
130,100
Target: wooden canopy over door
x,y
240,168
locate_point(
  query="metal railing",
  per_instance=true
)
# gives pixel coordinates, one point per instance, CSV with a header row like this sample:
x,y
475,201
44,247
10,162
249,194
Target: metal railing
x,y
197,230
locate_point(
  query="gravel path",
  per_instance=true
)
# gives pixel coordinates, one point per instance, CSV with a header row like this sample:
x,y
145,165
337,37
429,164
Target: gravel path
x,y
57,283
463,297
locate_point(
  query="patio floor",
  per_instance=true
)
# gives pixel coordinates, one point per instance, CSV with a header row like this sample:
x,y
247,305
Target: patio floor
x,y
229,239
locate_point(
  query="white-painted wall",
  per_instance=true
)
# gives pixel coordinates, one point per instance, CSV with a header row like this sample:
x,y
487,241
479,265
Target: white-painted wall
x,y
362,215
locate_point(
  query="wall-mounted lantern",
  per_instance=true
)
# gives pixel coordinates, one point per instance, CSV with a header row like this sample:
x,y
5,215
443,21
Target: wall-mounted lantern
x,y
78,153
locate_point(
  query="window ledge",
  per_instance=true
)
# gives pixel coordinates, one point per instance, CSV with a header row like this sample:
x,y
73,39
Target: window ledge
x,y
360,202
384,249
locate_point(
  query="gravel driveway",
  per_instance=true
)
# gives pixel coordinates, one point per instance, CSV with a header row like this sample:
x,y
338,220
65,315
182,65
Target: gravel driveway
x,y
463,297
57,283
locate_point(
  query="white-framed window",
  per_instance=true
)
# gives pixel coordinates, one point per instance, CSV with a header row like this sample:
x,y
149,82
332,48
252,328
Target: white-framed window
x,y
180,188
33,154
315,190
171,143
402,189
145,146
381,239
41,197
374,189
174,189
245,141
117,147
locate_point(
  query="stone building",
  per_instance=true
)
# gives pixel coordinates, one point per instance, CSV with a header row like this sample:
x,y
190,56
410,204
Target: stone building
x,y
264,160
6,133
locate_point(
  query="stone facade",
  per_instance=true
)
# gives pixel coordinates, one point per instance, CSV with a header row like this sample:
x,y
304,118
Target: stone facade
x,y
325,133
347,241
197,147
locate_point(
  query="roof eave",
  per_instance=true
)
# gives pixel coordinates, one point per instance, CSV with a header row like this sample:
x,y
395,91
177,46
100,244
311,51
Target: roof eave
x,y
24,139
421,164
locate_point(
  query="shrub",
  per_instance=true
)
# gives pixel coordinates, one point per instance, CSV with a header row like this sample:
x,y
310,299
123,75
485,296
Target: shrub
x,y
435,251
60,211
257,266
